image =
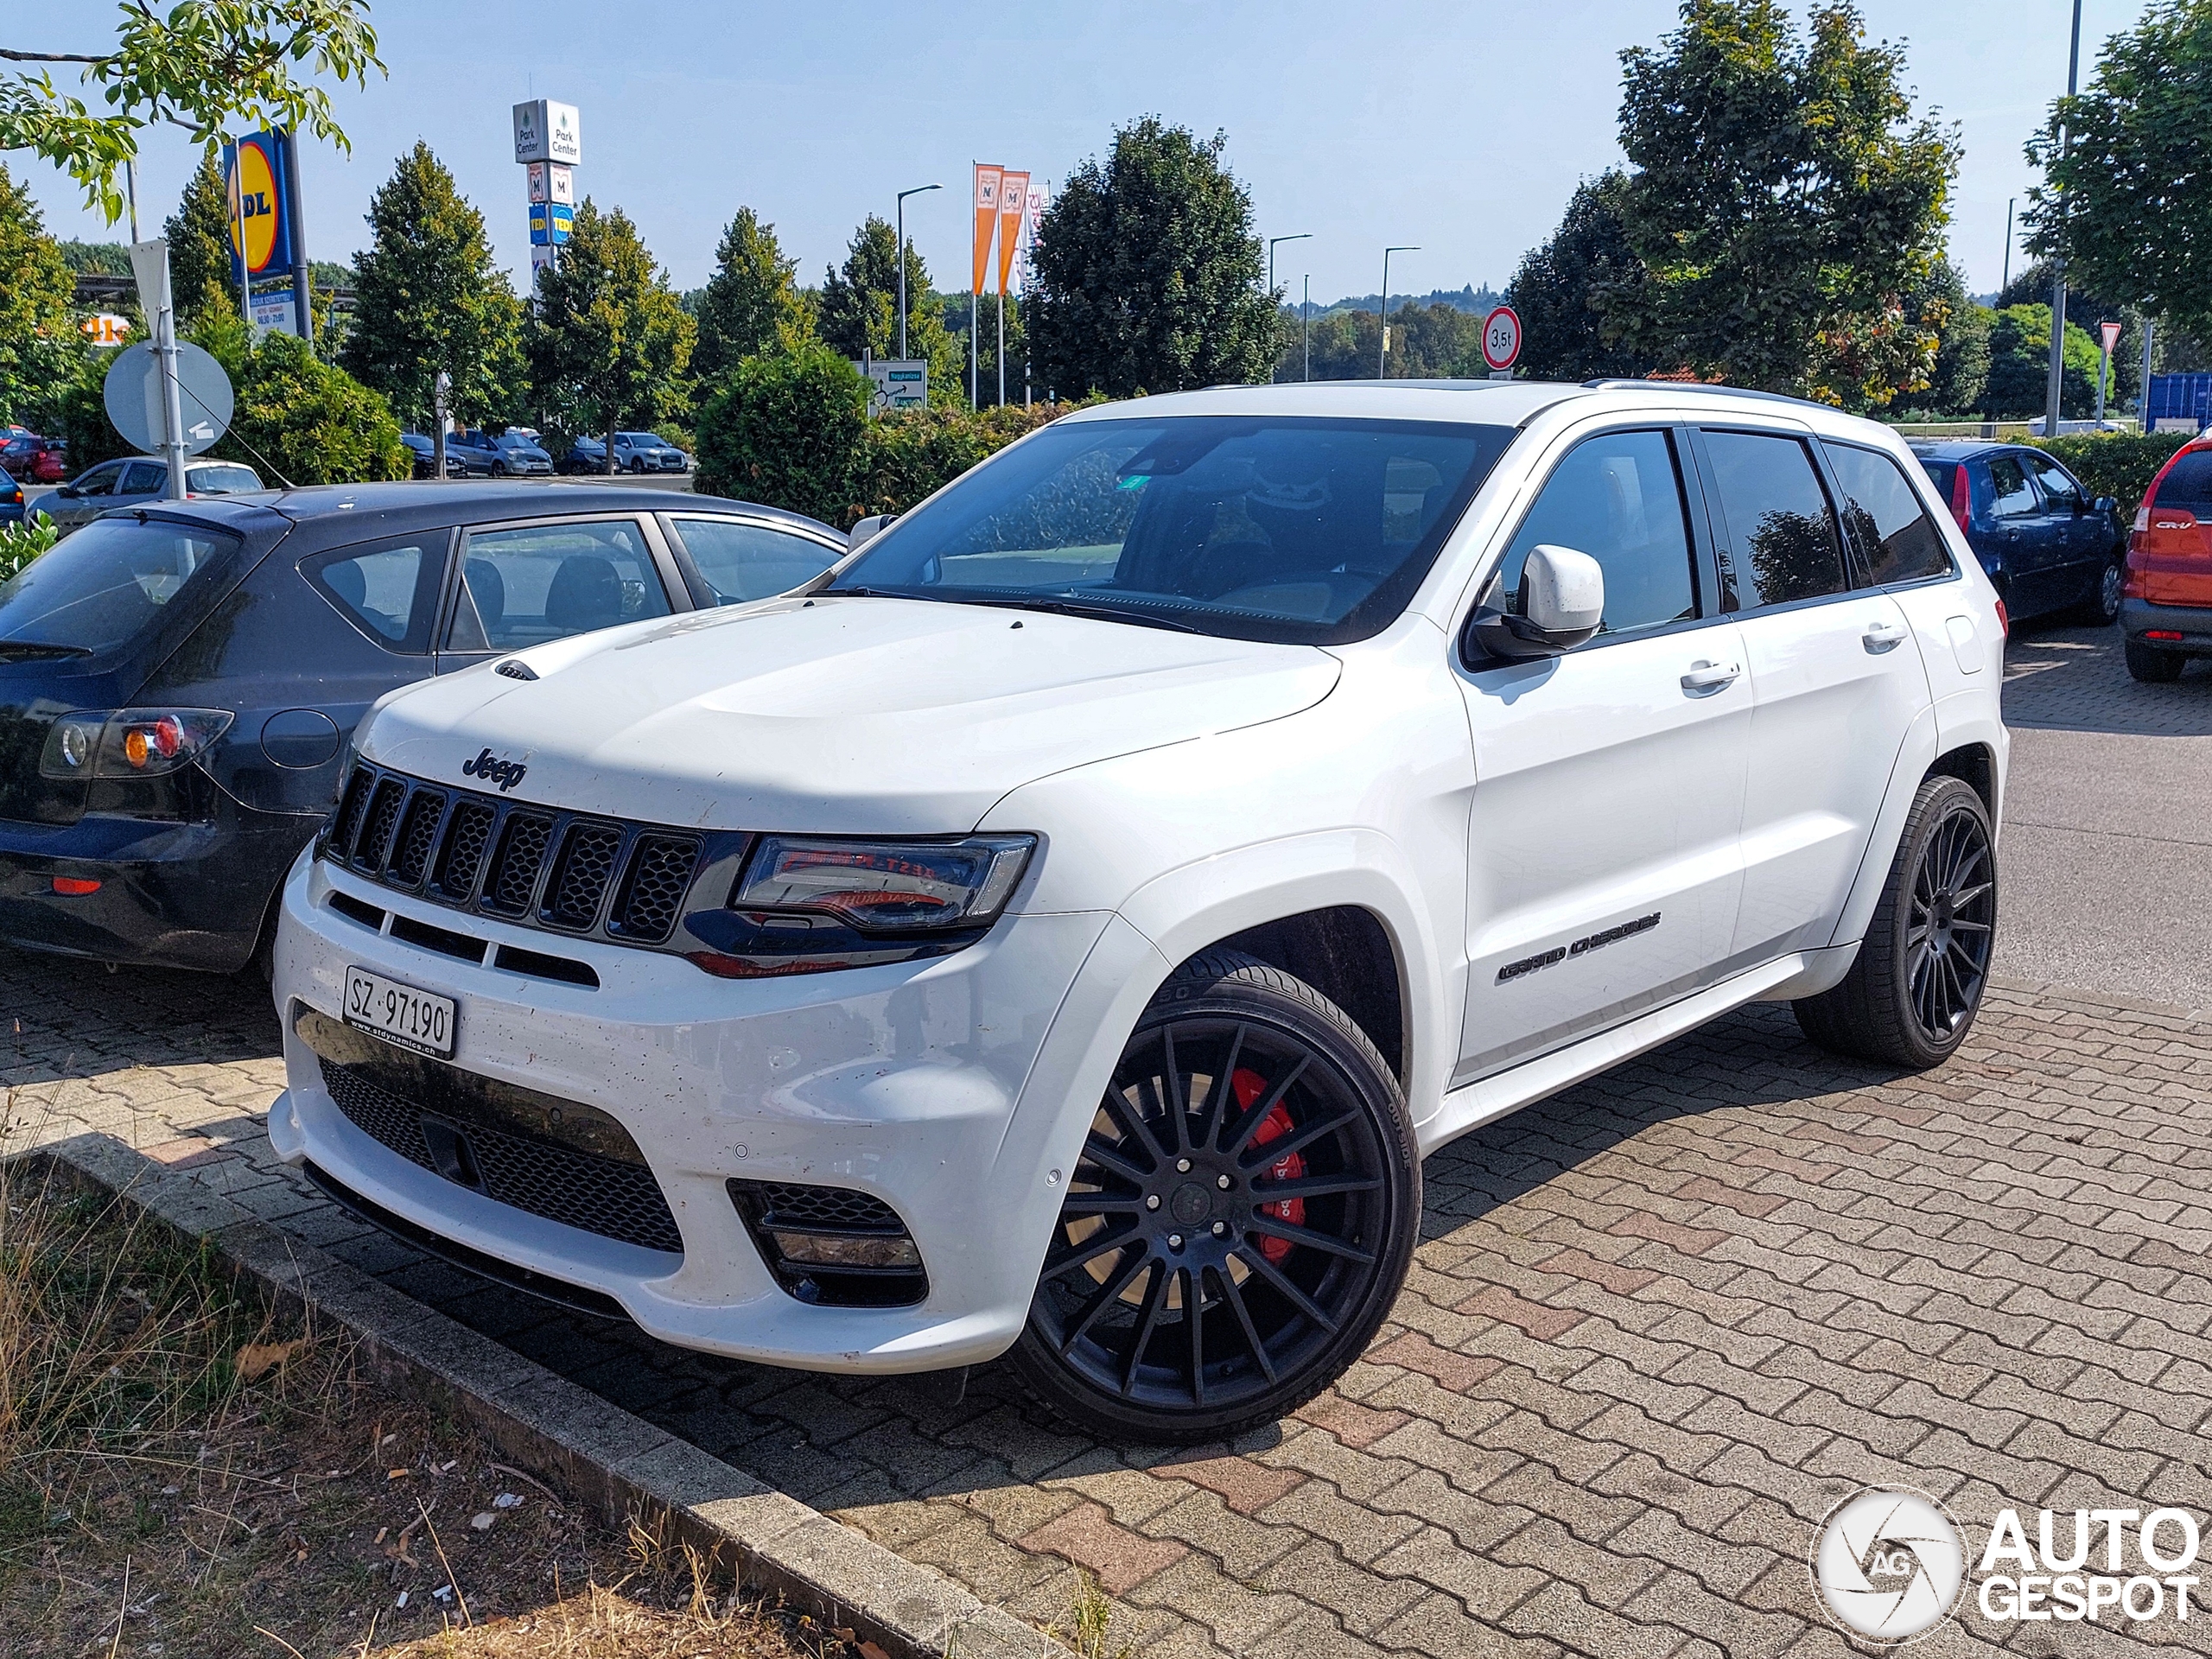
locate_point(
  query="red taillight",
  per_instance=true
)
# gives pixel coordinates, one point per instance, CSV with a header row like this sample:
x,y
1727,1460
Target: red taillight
x,y
74,887
1961,498
2162,633
2004,621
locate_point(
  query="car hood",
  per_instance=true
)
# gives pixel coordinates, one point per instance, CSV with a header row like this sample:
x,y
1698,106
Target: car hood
x,y
858,715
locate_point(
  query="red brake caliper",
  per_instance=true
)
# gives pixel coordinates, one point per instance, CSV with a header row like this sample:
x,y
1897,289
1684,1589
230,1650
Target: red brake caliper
x,y
1248,1086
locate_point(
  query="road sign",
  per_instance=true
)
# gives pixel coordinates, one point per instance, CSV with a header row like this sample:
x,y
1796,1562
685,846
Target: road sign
x,y
550,223
896,382
2111,332
1502,338
553,181
546,131
133,396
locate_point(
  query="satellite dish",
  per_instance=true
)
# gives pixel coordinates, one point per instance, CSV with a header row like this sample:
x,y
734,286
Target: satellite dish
x,y
133,396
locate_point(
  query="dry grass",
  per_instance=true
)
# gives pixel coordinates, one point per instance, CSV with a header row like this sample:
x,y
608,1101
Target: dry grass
x,y
182,1478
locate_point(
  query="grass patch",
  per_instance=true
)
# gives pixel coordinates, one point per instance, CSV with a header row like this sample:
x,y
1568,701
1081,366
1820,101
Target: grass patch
x,y
183,1476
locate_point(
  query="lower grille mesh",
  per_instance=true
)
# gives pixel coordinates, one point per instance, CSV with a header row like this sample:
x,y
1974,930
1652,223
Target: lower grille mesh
x,y
546,1178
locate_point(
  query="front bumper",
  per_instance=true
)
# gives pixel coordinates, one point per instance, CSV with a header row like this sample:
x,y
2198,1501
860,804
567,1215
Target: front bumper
x,y
2193,622
171,895
936,1086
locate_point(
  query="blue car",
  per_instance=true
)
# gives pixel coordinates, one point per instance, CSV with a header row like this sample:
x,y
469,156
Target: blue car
x,y
2047,544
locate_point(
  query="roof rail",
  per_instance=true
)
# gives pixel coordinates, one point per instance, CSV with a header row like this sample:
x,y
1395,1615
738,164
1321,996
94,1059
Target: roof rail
x,y
1631,384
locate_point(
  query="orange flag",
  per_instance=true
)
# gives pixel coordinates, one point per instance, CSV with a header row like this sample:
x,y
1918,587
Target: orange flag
x,y
987,218
1014,200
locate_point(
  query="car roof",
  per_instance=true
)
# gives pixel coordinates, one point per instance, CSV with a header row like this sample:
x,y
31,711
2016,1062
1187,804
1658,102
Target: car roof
x,y
333,515
1961,448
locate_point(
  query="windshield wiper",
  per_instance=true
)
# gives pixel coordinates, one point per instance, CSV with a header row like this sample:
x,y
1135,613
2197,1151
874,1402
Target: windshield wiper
x,y
24,651
1073,608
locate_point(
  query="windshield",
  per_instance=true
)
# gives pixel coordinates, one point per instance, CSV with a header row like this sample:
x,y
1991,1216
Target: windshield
x,y
1314,532
649,440
111,580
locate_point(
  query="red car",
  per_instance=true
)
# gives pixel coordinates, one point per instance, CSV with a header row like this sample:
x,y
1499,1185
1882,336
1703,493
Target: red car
x,y
2165,604
33,459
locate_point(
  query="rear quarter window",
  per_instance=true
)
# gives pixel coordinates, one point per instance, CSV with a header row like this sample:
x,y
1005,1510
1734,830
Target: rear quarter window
x,y
1885,518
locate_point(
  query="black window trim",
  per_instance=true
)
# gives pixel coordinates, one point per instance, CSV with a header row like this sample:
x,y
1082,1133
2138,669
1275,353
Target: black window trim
x,y
671,579
1805,435
703,593
1704,568
1920,484
311,566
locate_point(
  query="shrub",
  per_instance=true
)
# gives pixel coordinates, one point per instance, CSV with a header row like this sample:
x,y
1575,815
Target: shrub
x,y
22,542
781,430
309,420
2118,464
92,437
905,457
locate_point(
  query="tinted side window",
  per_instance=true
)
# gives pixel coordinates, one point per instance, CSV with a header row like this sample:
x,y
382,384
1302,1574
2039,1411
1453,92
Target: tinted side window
x,y
144,478
388,591
100,481
2188,483
2058,484
1618,499
741,562
1891,526
521,587
1782,543
2013,497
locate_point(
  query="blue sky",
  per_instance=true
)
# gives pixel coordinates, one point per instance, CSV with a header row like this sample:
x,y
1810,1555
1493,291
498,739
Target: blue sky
x,y
1462,127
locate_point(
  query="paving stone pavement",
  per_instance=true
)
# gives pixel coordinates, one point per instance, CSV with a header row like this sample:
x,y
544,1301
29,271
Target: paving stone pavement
x,y
1654,1329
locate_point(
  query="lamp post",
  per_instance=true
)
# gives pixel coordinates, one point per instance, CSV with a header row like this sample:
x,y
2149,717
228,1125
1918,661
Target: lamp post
x,y
1305,326
919,189
1303,236
2006,281
1382,357
2057,382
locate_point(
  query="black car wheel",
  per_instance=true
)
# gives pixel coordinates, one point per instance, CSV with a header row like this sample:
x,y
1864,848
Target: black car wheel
x,y
2101,607
2151,665
637,463
1912,991
498,469
1239,1220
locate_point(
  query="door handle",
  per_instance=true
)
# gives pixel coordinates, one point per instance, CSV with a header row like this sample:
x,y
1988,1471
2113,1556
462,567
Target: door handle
x,y
1707,676
1884,636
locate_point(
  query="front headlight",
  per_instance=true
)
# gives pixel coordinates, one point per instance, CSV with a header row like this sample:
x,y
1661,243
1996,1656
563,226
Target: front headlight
x,y
808,906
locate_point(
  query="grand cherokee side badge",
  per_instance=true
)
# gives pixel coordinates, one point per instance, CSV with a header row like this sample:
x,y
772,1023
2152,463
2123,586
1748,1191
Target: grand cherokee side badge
x,y
505,773
1581,947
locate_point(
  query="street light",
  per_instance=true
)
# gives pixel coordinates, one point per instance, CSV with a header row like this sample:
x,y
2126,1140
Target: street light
x,y
919,189
1382,358
1303,236
2057,381
1305,327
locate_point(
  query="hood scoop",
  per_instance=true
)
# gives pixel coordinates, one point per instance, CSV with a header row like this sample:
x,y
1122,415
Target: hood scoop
x,y
515,669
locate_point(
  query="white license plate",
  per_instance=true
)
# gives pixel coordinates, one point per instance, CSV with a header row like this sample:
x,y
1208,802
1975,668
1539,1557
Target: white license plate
x,y
400,1013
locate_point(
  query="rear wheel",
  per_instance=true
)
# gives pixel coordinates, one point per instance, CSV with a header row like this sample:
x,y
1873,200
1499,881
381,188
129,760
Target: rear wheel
x,y
2151,665
1240,1218
1911,994
2101,608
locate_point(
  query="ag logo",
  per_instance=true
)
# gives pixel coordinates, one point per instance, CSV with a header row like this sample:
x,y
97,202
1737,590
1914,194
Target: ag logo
x,y
1889,1563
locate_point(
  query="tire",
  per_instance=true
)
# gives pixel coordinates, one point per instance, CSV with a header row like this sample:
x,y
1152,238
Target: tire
x,y
498,469
1290,1291
637,464
1904,1002
2101,608
2151,665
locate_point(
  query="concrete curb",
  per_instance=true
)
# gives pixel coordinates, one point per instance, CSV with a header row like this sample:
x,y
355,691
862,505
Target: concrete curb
x,y
602,1455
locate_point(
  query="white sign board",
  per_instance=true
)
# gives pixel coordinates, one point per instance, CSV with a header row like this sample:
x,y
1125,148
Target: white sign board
x,y
546,131
273,309
896,382
553,181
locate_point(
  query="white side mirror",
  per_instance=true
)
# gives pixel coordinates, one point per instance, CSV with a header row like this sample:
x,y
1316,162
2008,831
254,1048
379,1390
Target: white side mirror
x,y
868,530
1562,592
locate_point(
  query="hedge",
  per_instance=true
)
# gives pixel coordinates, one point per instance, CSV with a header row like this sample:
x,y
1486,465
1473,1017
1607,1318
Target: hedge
x,y
2118,464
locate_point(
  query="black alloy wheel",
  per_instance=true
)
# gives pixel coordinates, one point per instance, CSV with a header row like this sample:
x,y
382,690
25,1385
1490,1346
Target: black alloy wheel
x,y
1918,979
1239,1220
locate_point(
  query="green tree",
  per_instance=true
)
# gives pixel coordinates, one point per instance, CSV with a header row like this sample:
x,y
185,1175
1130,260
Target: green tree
x,y
1940,304
2085,309
1783,200
1570,291
2127,170
1146,273
956,309
608,341
38,343
308,421
2019,365
782,429
750,304
428,296
199,235
209,66
860,310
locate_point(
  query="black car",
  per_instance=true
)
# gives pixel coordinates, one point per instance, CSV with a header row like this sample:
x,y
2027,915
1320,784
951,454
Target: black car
x,y
178,681
2045,542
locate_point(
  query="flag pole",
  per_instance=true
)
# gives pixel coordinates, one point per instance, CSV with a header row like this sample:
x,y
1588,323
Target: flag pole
x,y
974,300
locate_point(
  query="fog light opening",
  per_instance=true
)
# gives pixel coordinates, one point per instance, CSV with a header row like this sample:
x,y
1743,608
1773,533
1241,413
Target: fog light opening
x,y
2161,633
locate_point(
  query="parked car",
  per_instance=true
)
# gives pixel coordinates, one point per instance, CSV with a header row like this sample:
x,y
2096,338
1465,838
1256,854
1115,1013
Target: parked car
x,y
424,451
32,459
1062,929
134,480
2166,607
2047,545
177,685
634,452
11,500
518,455
471,452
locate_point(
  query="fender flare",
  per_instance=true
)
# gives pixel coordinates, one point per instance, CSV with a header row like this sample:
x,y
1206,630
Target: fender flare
x,y
1917,752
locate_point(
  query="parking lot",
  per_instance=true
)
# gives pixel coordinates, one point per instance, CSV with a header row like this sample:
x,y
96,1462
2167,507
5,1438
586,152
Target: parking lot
x,y
1657,1326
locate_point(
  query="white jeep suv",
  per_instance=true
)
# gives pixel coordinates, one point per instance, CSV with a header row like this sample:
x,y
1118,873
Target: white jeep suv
x,y
1065,927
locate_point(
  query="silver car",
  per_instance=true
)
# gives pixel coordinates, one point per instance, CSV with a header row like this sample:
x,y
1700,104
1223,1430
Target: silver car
x,y
134,480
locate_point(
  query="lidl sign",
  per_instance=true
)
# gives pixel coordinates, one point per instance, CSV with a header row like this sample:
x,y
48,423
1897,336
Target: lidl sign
x,y
259,223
